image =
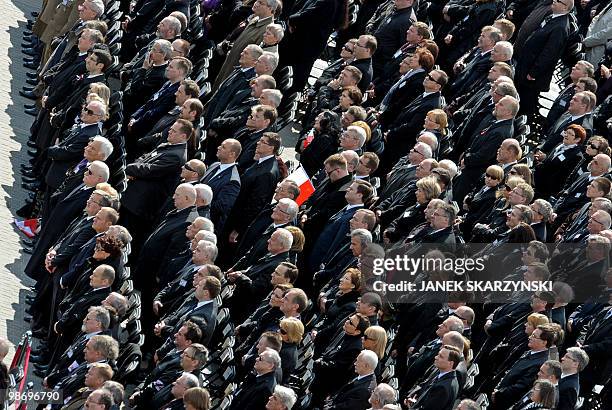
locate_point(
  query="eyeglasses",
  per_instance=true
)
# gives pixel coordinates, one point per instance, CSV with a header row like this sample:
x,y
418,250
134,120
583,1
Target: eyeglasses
x,y
279,209
593,146
348,322
559,1
417,151
345,48
430,78
366,337
513,172
596,221
508,187
88,172
188,168
186,355
331,172
265,142
490,176
283,331
88,111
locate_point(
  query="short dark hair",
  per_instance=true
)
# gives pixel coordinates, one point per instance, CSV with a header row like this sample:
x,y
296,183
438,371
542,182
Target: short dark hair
x,y
364,322
103,57
192,90
273,340
454,355
291,272
183,64
194,333
213,286
274,140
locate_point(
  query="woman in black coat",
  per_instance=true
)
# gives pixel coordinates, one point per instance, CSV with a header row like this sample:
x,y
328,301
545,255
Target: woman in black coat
x,y
338,308
292,331
480,202
320,142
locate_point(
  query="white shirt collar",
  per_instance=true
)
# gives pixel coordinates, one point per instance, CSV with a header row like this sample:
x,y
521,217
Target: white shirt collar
x,y
264,158
202,303
353,206
223,167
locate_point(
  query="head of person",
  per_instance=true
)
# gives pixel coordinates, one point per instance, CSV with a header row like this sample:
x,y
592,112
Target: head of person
x,y
267,361
263,81
262,116
435,81
264,8
269,144
88,38
184,382
349,96
188,334
284,211
285,272
294,302
184,196
363,219
580,70
581,103
194,357
283,398
382,395
97,375
360,239
436,120
96,320
489,36
178,69
102,276
299,239
291,330
229,151
543,392
93,112
550,370
417,32
180,48
562,6
599,165
169,28
101,347
356,324
350,281
280,241
270,97
349,76
187,90
574,361
422,58
365,46
450,324
191,110
443,217
506,108
99,399
180,132
193,170
375,339
368,164
448,358
366,363
248,56
196,398
335,167
353,114
91,10
273,35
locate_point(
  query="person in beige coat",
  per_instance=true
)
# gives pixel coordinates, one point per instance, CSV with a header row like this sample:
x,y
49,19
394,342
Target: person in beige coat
x,y
598,34
263,14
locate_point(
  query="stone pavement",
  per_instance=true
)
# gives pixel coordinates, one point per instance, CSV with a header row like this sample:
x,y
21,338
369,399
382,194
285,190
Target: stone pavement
x,y
14,125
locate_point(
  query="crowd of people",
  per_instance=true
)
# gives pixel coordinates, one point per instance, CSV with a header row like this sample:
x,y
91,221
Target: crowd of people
x,y
180,265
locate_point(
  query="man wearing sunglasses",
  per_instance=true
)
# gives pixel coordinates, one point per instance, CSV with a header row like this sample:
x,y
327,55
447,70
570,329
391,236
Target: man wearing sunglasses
x,y
538,56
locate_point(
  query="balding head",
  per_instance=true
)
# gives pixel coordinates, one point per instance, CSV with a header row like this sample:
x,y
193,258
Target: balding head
x,y
184,196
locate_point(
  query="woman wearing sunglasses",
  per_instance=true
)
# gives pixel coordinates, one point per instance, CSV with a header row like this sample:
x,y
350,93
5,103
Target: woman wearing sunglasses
x,y
480,202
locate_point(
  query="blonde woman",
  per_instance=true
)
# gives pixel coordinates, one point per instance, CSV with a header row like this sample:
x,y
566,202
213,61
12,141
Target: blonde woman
x,y
292,331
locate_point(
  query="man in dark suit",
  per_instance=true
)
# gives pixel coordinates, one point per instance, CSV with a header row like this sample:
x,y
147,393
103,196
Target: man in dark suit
x,y
204,307
537,58
67,209
365,47
483,150
224,180
337,227
258,183
573,362
253,283
578,112
151,179
235,88
148,78
402,132
441,392
141,122
261,119
355,394
69,151
286,189
596,341
521,375
254,392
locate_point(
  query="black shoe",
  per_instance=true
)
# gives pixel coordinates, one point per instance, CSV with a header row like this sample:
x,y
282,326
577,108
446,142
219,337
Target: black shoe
x,y
25,212
28,94
32,60
30,187
31,66
25,88
33,82
31,111
29,251
26,167
28,242
28,319
29,106
40,359
28,174
31,144
32,152
34,14
29,180
33,76
31,51
27,42
41,373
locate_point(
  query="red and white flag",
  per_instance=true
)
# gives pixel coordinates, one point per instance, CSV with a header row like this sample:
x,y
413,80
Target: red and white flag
x,y
30,227
300,177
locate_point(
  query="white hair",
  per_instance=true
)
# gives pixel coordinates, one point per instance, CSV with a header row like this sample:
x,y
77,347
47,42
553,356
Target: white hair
x,y
286,396
204,192
207,224
275,96
506,47
106,147
209,248
450,166
207,236
360,132
101,170
190,380
285,238
370,358
292,207
97,6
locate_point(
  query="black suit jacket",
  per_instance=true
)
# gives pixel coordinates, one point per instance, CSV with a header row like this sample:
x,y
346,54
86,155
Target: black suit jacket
x,y
569,390
540,53
353,395
473,74
440,394
71,319
551,174
403,95
154,108
232,91
257,186
68,152
404,130
253,393
226,188
519,378
153,176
